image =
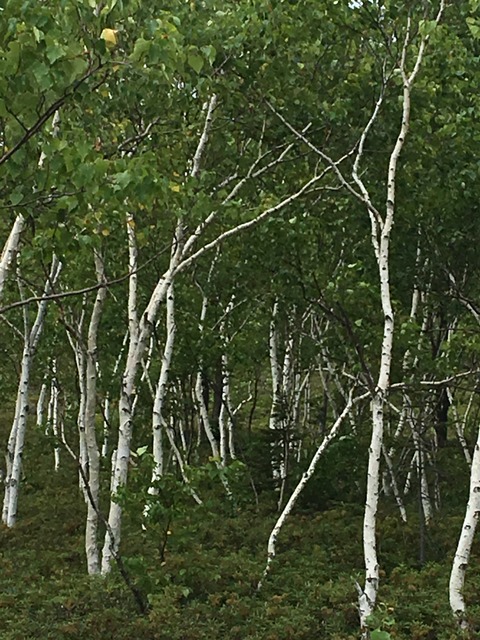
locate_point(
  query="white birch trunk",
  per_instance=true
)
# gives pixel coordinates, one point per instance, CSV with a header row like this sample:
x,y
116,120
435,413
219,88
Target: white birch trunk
x,y
159,423
17,433
10,249
275,421
48,425
464,547
381,230
127,393
106,424
74,335
19,422
460,424
41,404
394,485
107,411
225,419
91,527
272,541
81,364
55,424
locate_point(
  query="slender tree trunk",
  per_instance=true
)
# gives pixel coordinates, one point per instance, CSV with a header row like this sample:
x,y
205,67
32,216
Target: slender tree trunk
x,y
10,249
464,547
125,408
81,364
159,424
276,422
17,434
55,419
380,234
91,528
41,404
107,403
272,541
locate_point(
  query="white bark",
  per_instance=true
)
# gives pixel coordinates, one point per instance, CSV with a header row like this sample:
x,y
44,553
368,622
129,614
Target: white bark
x,y
183,255
460,424
93,456
272,541
381,229
276,422
75,338
48,425
106,406
10,249
394,485
227,442
55,423
200,401
127,394
462,555
17,434
225,419
41,404
159,423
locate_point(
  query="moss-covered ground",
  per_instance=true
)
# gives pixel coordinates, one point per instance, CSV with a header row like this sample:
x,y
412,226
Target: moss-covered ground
x,y
199,568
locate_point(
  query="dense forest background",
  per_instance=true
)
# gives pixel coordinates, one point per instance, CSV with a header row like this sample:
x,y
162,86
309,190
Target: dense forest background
x,y
240,315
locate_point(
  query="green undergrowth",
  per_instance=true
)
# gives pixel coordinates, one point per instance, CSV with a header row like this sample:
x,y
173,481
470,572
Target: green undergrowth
x,y
199,566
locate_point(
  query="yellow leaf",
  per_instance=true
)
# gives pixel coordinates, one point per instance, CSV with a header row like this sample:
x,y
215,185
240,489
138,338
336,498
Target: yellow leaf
x,y
110,37
175,187
105,232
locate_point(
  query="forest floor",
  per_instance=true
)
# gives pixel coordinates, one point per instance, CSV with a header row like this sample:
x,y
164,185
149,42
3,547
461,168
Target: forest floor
x,y
199,567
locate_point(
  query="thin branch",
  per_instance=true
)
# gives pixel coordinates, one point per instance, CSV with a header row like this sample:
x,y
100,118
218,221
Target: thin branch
x,y
433,384
78,292
48,113
332,163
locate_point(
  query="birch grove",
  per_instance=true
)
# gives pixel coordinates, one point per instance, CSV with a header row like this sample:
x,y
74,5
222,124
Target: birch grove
x,y
238,272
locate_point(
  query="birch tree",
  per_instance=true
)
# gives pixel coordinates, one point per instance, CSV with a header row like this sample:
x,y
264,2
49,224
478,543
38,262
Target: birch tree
x,y
10,249
381,231
16,440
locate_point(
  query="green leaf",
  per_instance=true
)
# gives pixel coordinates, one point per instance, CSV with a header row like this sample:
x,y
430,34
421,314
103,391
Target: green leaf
x,y
426,27
39,35
195,61
55,51
122,180
16,197
377,634
210,52
474,27
140,49
42,75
